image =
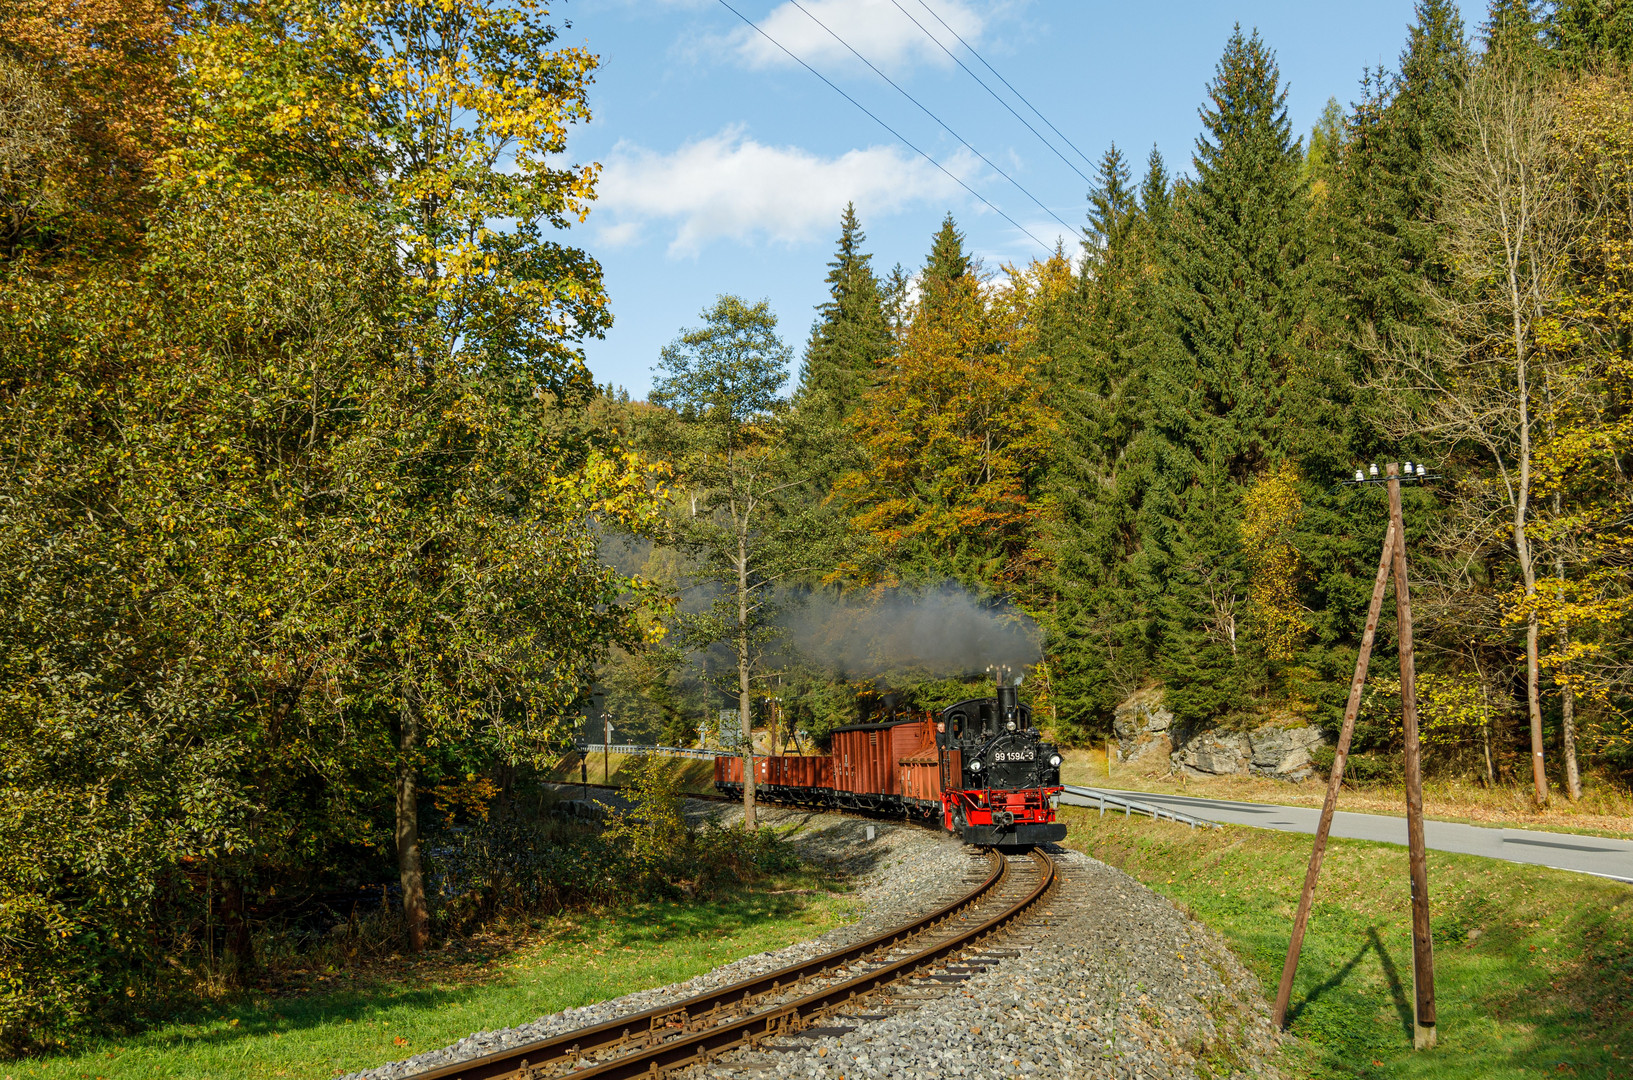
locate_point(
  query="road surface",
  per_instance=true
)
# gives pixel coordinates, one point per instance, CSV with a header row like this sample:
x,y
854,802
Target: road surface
x,y
1603,856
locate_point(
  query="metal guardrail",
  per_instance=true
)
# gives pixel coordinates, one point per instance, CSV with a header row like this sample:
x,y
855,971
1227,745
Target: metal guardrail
x,y
1082,796
658,751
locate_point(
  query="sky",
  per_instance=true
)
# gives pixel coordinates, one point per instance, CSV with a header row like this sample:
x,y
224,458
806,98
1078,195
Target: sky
x,y
726,165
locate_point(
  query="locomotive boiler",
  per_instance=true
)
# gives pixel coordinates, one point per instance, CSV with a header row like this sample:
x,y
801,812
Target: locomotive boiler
x,y
979,766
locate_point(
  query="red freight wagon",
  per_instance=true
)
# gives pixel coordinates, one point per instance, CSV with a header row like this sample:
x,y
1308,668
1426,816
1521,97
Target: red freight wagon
x,y
864,772
795,779
919,781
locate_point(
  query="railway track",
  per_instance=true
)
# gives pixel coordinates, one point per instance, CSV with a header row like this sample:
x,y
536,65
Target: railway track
x,y
897,969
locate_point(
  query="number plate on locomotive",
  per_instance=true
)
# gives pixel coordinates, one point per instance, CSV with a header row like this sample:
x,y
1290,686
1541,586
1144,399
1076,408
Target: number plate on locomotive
x,y
1029,754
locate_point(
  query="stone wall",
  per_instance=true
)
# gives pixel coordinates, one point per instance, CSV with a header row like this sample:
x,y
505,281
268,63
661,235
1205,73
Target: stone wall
x,y
1147,735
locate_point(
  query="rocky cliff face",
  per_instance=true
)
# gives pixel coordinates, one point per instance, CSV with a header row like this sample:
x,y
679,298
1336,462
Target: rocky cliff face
x,y
1147,735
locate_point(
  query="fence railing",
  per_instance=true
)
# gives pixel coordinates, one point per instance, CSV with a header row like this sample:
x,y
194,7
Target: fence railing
x,y
656,751
1082,796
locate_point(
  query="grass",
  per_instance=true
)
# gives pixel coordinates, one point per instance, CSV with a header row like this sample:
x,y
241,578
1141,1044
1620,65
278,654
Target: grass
x,y
1604,810
346,1021
696,774
1534,967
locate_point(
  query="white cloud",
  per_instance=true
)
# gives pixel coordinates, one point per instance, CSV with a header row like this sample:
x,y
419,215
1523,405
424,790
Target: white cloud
x,y
728,186
875,28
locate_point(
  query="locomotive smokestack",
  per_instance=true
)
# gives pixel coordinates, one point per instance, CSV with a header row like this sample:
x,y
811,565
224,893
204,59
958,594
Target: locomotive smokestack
x,y
1009,702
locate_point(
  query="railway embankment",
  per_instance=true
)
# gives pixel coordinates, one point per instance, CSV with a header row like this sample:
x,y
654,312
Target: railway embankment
x,y
1109,980
901,872
1105,978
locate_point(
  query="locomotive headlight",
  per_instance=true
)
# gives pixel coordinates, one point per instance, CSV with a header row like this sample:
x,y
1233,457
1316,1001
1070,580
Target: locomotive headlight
x,y
975,766
1054,761
1010,726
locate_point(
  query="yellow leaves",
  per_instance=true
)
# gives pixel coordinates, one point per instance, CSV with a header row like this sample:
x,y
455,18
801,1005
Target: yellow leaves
x,y
955,431
1271,509
1452,707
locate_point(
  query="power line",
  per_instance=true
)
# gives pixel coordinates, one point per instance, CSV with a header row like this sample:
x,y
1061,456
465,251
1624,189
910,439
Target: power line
x,y
988,203
1003,80
954,57
933,116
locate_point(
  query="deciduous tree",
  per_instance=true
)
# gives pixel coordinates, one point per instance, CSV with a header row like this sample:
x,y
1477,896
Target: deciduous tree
x,y
749,514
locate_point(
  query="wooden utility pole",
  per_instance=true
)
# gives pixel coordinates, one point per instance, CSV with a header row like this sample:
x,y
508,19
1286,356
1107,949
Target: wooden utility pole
x,y
1392,562
1336,780
1423,959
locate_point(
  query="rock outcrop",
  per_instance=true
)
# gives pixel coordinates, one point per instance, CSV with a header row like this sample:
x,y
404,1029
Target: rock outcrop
x,y
1147,735
1142,727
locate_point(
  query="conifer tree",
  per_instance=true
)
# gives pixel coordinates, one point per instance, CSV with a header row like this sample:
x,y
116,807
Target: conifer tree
x,y
1230,396
1389,245
850,335
893,292
1512,28
947,265
1156,196
954,432
1098,623
1382,259
1581,33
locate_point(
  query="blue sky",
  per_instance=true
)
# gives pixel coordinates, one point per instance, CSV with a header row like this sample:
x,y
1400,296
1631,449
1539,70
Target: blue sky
x,y
726,165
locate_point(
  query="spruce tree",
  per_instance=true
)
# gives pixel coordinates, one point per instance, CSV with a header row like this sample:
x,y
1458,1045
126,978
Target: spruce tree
x,y
850,335
954,436
1382,258
1583,33
1230,395
1156,195
1513,29
1098,623
1389,244
947,261
948,264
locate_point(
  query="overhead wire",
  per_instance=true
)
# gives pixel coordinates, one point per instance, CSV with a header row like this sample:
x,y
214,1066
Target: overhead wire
x,y
923,108
1005,81
874,117
995,95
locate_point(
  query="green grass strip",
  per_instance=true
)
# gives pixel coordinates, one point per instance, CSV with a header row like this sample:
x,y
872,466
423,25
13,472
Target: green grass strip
x,y
573,961
1533,967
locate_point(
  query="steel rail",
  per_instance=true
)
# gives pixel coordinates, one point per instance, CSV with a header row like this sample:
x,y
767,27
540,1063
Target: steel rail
x,y
650,1024
781,1020
796,1015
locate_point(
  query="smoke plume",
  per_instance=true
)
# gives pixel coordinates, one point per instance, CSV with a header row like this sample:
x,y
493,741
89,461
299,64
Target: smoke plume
x,y
947,631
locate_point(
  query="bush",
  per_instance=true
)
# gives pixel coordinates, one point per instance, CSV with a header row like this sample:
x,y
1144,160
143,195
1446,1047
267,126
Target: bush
x,y
516,864
1361,768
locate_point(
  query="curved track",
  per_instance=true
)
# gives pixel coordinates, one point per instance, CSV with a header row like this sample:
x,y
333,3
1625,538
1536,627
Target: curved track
x,y
783,1004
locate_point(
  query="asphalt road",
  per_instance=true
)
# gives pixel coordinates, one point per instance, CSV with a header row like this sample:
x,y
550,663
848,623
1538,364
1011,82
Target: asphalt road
x,y
1598,855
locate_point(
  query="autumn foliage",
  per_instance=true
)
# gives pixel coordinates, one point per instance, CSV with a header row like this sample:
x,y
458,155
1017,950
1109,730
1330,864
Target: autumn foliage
x,y
955,433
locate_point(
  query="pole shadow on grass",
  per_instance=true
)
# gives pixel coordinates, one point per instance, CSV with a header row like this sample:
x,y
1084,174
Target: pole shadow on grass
x,y
1397,991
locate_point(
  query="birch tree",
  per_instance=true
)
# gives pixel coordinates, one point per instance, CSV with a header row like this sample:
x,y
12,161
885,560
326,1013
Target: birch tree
x,y
749,514
1509,231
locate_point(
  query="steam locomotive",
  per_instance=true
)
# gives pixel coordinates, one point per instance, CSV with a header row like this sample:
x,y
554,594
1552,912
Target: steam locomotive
x,y
979,765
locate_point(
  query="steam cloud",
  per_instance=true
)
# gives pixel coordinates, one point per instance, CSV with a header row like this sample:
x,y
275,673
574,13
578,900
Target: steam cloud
x,y
947,631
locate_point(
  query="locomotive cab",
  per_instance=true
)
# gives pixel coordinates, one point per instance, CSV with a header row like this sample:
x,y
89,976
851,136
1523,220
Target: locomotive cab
x,y
1000,780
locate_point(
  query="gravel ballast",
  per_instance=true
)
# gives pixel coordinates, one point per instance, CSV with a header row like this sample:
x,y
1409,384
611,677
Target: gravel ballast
x,y
903,872
1118,984
1109,980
